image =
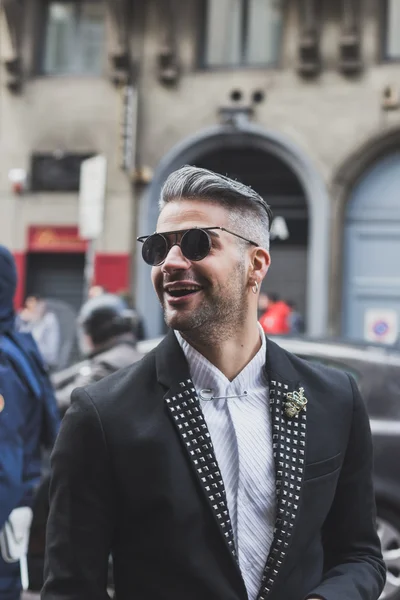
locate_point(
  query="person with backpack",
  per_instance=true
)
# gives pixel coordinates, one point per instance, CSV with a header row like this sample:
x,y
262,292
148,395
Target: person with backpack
x,y
29,422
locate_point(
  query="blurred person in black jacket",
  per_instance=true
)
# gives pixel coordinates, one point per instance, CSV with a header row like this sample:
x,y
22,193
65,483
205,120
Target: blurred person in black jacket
x,y
107,338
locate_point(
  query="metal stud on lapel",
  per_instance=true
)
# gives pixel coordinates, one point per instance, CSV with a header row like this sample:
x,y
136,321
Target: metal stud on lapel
x,y
2,403
296,403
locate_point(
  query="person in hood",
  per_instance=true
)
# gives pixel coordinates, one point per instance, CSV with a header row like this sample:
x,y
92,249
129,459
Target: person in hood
x,y
107,334
29,422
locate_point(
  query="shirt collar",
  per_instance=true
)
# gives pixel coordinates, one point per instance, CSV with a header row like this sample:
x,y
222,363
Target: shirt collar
x,y
205,375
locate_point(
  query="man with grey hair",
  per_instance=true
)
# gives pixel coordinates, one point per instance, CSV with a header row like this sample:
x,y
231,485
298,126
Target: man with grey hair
x,y
220,467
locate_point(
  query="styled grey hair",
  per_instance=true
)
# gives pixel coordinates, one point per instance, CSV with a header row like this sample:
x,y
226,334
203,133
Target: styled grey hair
x,y
249,213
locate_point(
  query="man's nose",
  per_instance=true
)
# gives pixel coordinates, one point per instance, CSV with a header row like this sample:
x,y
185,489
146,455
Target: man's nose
x,y
175,260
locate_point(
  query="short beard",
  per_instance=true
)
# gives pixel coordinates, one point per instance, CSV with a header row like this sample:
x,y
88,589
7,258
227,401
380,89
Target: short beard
x,y
220,315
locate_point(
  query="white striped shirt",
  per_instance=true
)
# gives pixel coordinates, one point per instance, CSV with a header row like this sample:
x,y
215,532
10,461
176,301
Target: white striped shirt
x,y
240,430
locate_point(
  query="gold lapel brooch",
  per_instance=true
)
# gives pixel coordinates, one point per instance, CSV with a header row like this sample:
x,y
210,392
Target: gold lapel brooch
x,y
296,403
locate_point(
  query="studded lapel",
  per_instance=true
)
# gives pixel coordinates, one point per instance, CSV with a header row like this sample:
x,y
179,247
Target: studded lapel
x,y
289,447
184,408
187,415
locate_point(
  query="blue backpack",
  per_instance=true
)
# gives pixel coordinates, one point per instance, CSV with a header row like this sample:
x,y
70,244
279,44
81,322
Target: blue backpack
x,y
21,365
31,371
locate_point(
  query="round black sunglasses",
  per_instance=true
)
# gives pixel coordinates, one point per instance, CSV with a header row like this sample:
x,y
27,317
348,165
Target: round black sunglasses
x,y
194,243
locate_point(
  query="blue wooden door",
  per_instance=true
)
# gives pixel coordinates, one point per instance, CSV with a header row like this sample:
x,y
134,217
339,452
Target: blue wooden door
x,y
371,286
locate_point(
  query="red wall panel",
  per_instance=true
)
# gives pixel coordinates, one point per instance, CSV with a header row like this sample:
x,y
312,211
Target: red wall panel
x,y
112,271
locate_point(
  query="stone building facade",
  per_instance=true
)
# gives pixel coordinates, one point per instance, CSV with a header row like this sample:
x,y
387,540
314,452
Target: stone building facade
x,y
298,98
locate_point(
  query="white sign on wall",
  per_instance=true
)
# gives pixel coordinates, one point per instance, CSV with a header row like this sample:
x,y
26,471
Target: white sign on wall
x,y
381,325
92,189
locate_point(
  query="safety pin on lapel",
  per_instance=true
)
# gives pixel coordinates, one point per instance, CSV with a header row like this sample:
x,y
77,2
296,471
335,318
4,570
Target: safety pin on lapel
x,y
296,403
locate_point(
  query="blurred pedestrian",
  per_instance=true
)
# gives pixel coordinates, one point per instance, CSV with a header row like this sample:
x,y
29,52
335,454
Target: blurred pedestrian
x,y
295,319
275,320
107,338
29,422
43,324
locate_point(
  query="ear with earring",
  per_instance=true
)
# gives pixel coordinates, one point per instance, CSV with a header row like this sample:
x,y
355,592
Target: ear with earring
x,y
255,288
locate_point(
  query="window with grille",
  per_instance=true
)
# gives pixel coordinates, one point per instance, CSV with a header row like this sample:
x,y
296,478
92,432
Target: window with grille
x,y
242,32
392,30
74,37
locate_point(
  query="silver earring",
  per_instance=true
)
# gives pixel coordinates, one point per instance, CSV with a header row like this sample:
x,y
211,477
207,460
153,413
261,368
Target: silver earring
x,y
255,288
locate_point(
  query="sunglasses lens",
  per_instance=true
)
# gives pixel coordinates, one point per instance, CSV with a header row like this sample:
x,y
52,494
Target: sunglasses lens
x,y
155,249
195,244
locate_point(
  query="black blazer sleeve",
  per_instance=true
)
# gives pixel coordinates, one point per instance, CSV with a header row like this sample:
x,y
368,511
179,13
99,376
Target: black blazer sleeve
x,y
80,525
354,569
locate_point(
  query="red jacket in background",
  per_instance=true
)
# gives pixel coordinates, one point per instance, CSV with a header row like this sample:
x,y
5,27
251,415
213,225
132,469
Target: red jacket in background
x,y
275,319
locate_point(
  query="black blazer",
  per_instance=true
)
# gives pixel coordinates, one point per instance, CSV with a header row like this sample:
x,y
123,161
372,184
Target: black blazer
x,y
134,473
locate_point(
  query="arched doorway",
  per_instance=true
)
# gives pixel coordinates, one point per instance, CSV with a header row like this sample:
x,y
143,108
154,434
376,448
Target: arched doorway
x,y
275,181
307,184
371,270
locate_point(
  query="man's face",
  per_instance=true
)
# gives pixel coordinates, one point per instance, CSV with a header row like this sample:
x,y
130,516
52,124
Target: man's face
x,y
210,294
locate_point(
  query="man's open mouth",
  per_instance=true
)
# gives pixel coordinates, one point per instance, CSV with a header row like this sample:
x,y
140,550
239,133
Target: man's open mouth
x,y
183,291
